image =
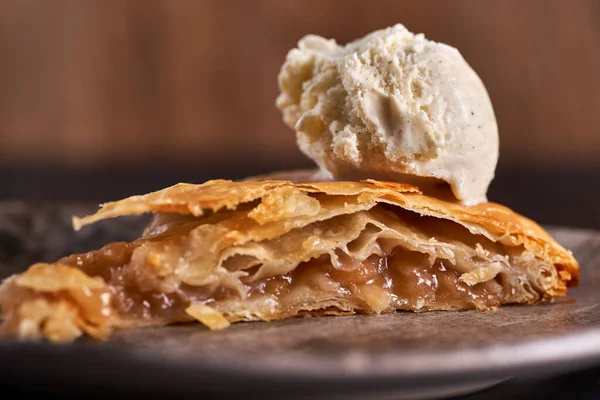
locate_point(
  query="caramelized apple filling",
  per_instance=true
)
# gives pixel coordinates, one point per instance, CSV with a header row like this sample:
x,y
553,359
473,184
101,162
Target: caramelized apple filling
x,y
373,261
401,280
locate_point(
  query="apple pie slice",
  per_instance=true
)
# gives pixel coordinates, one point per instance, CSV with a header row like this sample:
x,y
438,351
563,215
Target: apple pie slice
x,y
228,251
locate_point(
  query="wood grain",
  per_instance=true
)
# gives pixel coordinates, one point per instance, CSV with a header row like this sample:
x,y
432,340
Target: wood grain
x,y
87,83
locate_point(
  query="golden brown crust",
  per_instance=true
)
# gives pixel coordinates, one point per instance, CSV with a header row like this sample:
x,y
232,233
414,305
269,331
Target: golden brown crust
x,y
492,220
214,233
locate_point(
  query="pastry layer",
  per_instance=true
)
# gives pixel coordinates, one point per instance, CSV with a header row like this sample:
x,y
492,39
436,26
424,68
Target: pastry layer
x,y
224,252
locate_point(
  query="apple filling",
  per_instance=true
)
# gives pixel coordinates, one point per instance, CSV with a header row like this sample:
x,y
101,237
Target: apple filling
x,y
400,281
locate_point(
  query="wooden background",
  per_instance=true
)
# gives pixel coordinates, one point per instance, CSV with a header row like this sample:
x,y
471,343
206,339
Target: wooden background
x,y
175,83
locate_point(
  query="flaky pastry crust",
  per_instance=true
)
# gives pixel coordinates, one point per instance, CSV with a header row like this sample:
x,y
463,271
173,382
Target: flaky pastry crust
x,y
227,251
495,221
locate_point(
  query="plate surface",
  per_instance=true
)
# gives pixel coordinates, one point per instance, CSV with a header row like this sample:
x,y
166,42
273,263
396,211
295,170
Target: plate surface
x,y
404,355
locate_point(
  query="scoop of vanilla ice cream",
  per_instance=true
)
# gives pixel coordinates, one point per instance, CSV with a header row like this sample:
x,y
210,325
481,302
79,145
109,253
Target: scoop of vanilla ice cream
x,y
392,105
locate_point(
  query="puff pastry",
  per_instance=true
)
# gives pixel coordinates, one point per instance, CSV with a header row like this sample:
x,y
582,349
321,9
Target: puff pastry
x,y
270,249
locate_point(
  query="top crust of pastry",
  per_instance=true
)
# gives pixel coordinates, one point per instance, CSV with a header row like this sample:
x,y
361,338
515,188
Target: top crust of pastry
x,y
282,199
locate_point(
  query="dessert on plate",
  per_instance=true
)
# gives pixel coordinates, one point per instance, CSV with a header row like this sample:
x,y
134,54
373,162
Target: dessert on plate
x,y
395,217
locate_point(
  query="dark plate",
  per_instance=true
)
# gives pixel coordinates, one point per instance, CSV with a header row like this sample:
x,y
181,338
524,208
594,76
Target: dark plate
x,y
403,355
